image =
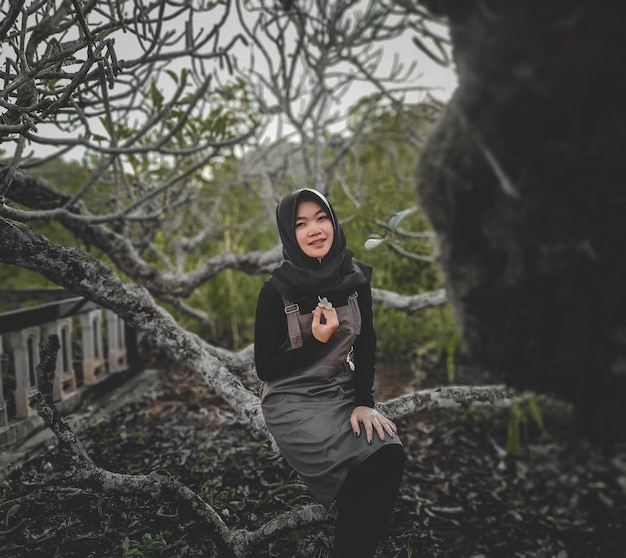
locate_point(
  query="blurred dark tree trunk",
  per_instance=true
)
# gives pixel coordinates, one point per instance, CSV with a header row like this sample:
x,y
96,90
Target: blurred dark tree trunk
x,y
524,183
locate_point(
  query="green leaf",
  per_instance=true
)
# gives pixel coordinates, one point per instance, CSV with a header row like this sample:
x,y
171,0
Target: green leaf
x,y
151,543
373,241
451,347
535,412
156,95
105,124
513,444
440,57
398,217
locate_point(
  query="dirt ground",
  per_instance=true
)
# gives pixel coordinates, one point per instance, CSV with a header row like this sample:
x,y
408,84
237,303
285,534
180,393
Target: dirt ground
x,y
559,497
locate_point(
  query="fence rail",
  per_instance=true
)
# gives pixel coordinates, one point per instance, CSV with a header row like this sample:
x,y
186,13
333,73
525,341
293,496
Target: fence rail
x,y
93,345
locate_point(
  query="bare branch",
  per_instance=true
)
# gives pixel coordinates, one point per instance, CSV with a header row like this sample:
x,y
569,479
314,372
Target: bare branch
x,y
452,397
46,408
401,233
409,304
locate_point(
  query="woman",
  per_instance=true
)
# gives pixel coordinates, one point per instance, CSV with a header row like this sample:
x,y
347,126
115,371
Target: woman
x,y
314,349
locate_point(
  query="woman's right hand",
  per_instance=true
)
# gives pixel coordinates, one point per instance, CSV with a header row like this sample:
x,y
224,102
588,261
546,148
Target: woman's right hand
x,y
323,331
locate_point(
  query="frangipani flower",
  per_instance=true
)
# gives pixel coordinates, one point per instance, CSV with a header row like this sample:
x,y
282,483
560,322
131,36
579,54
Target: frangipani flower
x,y
324,303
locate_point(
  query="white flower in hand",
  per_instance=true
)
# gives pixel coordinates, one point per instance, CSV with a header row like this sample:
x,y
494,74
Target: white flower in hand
x,y
324,303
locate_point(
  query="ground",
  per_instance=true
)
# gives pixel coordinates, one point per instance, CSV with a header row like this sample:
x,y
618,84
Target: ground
x,y
461,497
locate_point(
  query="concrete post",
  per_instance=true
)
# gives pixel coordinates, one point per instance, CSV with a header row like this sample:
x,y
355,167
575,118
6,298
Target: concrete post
x,y
25,345
64,376
93,359
116,342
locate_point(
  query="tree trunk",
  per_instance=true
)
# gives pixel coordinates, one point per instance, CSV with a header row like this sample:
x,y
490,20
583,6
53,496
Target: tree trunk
x,y
523,183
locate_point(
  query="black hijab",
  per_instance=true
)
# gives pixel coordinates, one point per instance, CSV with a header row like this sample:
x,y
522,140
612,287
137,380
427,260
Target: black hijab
x,y
300,275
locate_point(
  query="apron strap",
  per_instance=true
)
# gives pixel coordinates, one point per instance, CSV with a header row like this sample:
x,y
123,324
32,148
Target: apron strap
x,y
295,335
356,311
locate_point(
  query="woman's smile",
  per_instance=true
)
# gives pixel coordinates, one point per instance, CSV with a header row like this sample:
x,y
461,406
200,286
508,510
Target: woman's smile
x,y
318,242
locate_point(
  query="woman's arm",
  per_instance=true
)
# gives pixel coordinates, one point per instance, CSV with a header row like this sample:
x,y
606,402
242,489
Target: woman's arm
x,y
364,412
365,351
271,339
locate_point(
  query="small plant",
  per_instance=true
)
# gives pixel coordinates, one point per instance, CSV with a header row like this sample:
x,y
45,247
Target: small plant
x,y
452,344
375,240
518,423
406,553
149,546
517,429
216,497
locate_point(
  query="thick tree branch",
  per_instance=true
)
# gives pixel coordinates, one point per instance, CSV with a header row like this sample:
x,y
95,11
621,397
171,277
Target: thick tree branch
x,y
452,397
409,303
38,194
81,274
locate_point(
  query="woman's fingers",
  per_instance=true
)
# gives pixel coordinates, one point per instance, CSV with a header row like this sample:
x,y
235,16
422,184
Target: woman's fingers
x,y
330,317
389,427
369,432
317,313
373,421
378,425
323,331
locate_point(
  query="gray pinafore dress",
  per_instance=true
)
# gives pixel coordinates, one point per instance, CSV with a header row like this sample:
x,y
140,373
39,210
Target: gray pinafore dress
x,y
308,412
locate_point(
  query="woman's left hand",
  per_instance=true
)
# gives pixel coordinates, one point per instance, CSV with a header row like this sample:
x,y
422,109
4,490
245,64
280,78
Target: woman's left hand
x,y
372,420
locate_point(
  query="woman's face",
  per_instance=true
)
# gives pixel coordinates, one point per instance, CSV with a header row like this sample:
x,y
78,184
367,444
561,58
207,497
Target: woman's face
x,y
314,229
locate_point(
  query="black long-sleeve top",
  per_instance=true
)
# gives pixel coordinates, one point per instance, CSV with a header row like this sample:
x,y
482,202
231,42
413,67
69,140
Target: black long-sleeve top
x,y
271,339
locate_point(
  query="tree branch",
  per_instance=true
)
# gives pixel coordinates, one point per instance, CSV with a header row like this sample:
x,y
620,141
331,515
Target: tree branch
x,y
451,397
83,275
409,303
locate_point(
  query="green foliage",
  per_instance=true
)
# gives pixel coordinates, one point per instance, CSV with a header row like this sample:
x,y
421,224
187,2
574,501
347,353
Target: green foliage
x,y
378,173
230,297
216,496
66,176
407,552
452,345
522,415
517,430
148,547
382,168
376,240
